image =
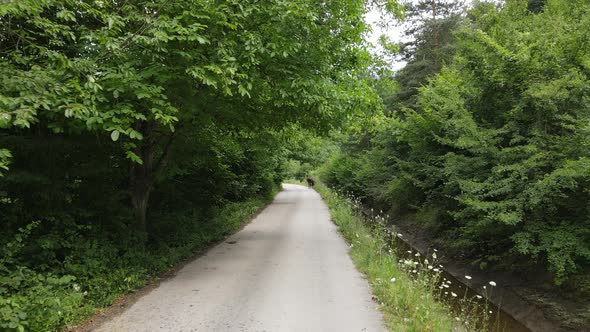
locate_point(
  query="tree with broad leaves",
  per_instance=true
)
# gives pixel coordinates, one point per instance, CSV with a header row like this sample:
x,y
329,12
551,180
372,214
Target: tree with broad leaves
x,y
145,72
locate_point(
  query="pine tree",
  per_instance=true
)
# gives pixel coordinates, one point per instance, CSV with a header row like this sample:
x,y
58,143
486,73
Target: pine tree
x,y
430,26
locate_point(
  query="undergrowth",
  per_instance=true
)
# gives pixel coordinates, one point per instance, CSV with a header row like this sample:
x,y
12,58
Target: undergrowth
x,y
98,270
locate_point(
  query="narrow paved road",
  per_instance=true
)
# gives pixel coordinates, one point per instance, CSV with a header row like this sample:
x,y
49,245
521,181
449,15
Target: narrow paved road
x,y
288,270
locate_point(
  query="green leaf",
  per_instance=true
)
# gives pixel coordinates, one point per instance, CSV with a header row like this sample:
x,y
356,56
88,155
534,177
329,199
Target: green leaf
x,y
135,134
115,135
133,157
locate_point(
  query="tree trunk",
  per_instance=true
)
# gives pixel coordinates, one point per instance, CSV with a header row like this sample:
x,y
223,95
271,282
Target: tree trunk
x,y
435,26
142,176
141,187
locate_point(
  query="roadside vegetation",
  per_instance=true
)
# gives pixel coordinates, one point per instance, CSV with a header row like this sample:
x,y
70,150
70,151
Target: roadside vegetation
x,y
99,268
483,144
405,290
133,133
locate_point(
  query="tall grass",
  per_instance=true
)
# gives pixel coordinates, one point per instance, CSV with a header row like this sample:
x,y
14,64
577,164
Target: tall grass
x,y
406,291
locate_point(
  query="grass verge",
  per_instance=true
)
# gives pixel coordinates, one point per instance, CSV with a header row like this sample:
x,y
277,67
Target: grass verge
x,y
407,299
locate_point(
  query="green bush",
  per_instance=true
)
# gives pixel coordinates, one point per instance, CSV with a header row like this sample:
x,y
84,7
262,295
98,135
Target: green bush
x,y
497,144
98,270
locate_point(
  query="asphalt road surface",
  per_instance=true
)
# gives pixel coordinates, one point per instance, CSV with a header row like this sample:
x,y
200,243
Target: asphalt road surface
x,y
288,270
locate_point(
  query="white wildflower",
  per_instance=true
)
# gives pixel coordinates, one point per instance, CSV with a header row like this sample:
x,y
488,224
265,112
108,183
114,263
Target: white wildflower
x,y
492,283
468,277
454,295
392,280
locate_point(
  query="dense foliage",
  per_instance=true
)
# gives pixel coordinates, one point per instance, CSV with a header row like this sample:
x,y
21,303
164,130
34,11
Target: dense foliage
x,y
126,126
132,133
494,158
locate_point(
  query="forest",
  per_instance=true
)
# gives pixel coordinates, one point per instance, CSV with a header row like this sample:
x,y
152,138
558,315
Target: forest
x,y
136,133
